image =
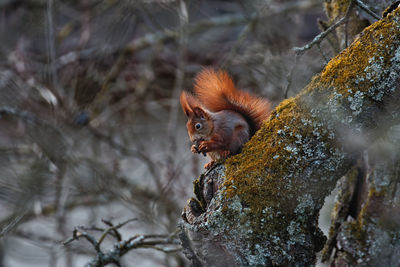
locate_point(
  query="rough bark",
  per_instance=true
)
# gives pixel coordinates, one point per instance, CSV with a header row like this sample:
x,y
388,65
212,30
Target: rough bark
x,y
366,218
261,207
365,221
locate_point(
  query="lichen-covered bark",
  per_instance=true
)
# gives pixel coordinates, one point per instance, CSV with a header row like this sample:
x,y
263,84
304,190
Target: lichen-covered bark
x,y
261,207
367,233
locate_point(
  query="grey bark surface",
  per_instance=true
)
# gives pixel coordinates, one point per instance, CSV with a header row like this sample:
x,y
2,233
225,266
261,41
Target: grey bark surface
x,y
261,207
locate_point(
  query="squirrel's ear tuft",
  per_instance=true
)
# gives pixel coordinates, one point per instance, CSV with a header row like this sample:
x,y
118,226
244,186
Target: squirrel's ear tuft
x,y
185,103
188,103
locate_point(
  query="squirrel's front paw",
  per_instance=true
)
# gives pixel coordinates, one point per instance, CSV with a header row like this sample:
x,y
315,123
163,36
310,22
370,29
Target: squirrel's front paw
x,y
194,149
204,147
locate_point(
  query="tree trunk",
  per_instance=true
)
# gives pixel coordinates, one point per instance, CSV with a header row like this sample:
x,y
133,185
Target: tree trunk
x,y
366,218
261,207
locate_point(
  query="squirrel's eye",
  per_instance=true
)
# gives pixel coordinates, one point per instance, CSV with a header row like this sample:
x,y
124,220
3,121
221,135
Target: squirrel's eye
x,y
197,126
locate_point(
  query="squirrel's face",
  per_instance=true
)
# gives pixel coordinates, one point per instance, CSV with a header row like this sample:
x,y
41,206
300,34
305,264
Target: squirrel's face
x,y
199,125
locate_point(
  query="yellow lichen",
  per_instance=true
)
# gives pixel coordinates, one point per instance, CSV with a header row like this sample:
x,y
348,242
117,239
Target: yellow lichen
x,y
275,187
256,173
347,70
260,176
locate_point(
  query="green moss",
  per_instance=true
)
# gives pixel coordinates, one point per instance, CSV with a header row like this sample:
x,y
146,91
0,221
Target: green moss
x,y
280,148
275,187
372,57
246,171
260,191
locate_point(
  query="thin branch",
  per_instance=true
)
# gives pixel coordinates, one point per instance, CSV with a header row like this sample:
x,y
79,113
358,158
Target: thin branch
x,y
44,241
364,7
289,77
113,229
113,255
153,38
320,37
346,26
11,225
76,234
115,232
323,54
49,210
167,34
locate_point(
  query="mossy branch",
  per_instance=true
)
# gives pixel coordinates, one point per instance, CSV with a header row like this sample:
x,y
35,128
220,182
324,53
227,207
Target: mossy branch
x,y
265,207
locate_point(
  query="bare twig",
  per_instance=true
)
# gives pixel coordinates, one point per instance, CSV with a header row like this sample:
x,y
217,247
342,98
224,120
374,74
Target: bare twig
x,y
11,225
347,16
364,7
323,54
113,255
167,34
289,77
50,210
320,37
113,229
76,234
153,38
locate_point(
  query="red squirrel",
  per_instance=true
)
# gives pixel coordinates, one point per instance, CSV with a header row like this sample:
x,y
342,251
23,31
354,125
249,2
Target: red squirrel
x,y
221,119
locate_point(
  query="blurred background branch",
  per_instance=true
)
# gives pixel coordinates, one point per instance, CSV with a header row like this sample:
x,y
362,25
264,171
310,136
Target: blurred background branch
x,y
163,243
90,124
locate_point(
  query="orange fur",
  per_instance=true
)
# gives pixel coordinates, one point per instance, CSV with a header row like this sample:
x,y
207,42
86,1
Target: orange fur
x,y
188,102
216,91
221,119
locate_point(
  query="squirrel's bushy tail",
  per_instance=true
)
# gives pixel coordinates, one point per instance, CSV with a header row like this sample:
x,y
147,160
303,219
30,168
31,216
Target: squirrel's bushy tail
x,y
216,91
